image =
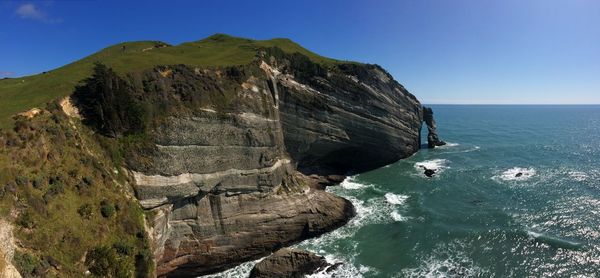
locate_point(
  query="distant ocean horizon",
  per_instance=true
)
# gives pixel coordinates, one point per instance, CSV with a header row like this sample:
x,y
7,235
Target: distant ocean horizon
x,y
513,104
516,194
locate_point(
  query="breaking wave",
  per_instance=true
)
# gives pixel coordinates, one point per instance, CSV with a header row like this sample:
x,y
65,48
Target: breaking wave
x,y
447,260
351,183
395,199
376,210
242,270
438,165
516,174
578,176
553,241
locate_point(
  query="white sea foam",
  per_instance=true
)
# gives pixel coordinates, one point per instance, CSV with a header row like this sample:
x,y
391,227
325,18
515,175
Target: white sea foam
x,y
512,174
578,176
242,270
446,260
442,268
377,210
351,183
448,145
438,165
345,270
474,148
395,199
367,212
371,211
434,164
397,216
533,234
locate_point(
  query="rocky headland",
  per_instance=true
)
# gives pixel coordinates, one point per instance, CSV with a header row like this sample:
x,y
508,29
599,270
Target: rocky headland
x,y
228,163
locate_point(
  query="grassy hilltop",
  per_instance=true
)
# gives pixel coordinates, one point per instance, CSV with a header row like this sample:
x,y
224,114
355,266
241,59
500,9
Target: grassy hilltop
x,y
21,94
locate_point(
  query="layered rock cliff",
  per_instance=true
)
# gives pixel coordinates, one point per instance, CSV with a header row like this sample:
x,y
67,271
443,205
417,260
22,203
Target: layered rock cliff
x,y
219,157
222,176
348,119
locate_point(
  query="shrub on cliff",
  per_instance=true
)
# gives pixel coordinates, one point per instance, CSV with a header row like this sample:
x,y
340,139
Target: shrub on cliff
x,y
26,220
106,261
26,264
85,211
107,209
108,104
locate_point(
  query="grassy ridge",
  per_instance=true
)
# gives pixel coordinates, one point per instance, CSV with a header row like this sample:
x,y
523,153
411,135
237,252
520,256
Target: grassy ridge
x,y
20,94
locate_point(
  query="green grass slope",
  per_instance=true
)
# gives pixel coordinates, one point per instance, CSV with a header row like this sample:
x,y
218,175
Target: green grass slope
x,y
20,94
62,188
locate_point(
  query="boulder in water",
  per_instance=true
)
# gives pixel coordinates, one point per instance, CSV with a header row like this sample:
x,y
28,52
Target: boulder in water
x,y
289,262
429,172
519,175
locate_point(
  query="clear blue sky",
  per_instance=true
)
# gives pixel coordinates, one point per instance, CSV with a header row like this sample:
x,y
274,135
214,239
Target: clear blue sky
x,y
442,51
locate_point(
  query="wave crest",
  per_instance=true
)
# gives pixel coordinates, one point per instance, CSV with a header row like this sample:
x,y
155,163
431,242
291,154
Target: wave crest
x,y
438,165
516,174
351,183
395,199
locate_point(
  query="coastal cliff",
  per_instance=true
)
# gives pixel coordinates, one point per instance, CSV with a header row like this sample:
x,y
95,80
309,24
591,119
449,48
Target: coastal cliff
x,y
219,157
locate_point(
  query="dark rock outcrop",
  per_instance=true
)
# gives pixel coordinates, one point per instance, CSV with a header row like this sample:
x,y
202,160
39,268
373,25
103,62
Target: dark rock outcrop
x,y
322,182
429,172
217,232
432,137
354,119
289,262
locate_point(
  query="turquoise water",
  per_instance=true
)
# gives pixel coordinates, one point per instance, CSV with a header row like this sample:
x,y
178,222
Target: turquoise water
x,y
475,218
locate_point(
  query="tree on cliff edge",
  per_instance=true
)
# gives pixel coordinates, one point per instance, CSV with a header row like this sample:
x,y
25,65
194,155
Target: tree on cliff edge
x,y
107,103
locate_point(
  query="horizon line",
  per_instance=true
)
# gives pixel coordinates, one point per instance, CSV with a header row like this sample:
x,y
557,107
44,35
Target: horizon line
x,y
499,104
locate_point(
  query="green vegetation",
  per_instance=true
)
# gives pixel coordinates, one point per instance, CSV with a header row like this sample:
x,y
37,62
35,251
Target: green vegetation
x,y
107,101
69,201
107,209
27,264
107,261
20,94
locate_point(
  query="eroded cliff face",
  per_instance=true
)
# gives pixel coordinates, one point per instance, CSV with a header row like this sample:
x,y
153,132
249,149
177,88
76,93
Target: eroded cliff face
x,y
222,170
218,180
351,119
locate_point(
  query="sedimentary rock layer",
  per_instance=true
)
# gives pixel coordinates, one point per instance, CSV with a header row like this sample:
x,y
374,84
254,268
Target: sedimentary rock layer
x,y
219,231
353,120
222,181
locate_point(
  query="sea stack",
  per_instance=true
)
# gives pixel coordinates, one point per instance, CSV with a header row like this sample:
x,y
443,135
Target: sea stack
x,y
432,138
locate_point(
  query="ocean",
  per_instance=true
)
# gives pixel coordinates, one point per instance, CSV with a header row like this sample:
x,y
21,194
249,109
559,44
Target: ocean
x,y
476,217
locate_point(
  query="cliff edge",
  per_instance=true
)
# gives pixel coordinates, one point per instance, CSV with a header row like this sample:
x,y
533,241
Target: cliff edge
x,y
216,157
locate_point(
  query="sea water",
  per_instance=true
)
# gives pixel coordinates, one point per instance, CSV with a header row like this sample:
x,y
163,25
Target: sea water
x,y
476,217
